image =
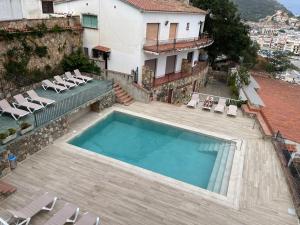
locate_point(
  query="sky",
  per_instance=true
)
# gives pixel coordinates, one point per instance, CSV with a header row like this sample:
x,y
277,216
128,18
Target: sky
x,y
292,5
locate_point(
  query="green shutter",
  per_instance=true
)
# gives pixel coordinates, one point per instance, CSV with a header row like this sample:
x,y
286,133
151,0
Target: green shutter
x,y
90,21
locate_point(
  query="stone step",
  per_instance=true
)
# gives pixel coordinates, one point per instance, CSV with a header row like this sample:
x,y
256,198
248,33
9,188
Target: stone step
x,y
214,173
220,174
121,95
227,172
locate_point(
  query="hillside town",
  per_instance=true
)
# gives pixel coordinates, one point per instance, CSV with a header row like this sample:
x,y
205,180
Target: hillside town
x,y
147,112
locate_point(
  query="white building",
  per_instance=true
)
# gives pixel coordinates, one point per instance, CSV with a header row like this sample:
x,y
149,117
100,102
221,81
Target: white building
x,y
25,9
132,34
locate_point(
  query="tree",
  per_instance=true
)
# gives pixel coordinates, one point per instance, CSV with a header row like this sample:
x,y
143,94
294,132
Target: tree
x,y
231,36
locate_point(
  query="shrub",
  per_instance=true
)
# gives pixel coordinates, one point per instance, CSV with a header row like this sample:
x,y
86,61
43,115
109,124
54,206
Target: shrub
x,y
41,51
24,125
11,131
77,60
3,135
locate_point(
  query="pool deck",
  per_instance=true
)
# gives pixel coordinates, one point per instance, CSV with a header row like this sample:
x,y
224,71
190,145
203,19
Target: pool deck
x,y
120,197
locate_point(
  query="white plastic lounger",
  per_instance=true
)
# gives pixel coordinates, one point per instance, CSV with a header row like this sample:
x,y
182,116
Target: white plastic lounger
x,y
23,102
5,107
69,77
88,219
80,76
33,96
232,110
221,105
57,88
44,202
62,82
193,103
68,214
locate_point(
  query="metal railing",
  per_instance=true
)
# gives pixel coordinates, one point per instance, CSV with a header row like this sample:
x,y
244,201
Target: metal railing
x,y
291,172
73,102
177,43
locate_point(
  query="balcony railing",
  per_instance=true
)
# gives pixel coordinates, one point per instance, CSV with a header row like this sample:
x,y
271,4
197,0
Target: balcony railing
x,y
161,46
201,66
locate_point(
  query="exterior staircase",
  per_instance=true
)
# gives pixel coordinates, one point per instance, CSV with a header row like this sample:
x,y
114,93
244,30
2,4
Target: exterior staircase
x,y
122,96
6,189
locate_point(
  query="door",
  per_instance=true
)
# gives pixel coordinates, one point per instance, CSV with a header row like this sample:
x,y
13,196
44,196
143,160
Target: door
x,y
170,94
152,31
171,64
151,64
173,31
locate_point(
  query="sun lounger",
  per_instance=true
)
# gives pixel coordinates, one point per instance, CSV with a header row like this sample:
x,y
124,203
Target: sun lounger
x,y
68,214
194,101
88,219
33,96
48,84
23,102
69,77
232,110
16,113
44,202
208,103
62,82
80,76
221,105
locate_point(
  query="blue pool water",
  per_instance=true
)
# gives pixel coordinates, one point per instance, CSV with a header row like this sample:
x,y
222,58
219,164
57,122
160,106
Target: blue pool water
x,y
167,150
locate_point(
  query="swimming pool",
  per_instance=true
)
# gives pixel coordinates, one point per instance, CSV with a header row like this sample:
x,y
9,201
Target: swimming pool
x,y
181,154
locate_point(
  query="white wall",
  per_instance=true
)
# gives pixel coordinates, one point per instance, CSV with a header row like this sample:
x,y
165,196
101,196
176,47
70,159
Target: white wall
x,y
32,9
91,37
122,31
10,10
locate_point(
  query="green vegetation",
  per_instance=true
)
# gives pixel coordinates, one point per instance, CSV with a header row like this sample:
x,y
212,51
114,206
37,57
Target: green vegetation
x,y
254,10
237,79
230,34
11,131
24,125
3,135
279,63
77,60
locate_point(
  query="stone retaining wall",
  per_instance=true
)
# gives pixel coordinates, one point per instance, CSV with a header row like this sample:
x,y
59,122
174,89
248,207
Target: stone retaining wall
x,y
58,44
43,136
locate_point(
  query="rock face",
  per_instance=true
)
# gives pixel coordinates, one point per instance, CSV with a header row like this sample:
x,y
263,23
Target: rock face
x,y
58,42
43,136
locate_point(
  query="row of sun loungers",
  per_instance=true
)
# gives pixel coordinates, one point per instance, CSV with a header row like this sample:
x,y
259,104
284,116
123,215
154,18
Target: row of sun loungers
x,y
46,202
34,102
209,103
67,82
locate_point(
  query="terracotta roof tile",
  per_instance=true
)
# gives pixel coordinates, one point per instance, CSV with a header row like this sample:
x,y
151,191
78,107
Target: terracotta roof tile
x,y
164,6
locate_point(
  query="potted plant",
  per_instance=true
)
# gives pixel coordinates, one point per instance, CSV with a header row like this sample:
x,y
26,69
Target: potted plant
x,y
25,128
8,136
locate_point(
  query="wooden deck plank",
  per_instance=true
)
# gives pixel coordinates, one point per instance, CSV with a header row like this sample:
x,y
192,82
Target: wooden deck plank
x,y
121,198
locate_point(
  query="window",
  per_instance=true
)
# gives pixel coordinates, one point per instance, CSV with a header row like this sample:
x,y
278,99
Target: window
x,y
187,26
90,21
47,6
190,56
86,51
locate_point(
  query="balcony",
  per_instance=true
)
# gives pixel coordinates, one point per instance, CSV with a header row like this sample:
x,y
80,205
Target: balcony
x,y
200,67
161,46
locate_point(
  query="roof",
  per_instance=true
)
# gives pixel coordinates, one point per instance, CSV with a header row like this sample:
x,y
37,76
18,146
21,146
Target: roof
x,y
177,6
164,6
102,48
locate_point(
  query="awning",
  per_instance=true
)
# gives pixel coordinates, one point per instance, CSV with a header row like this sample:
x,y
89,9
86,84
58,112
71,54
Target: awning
x,y
102,48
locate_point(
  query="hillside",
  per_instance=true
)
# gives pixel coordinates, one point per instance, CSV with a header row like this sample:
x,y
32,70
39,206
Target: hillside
x,y
257,9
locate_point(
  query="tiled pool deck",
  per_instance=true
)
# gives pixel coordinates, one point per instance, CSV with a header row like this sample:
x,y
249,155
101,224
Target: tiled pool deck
x,y
122,197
